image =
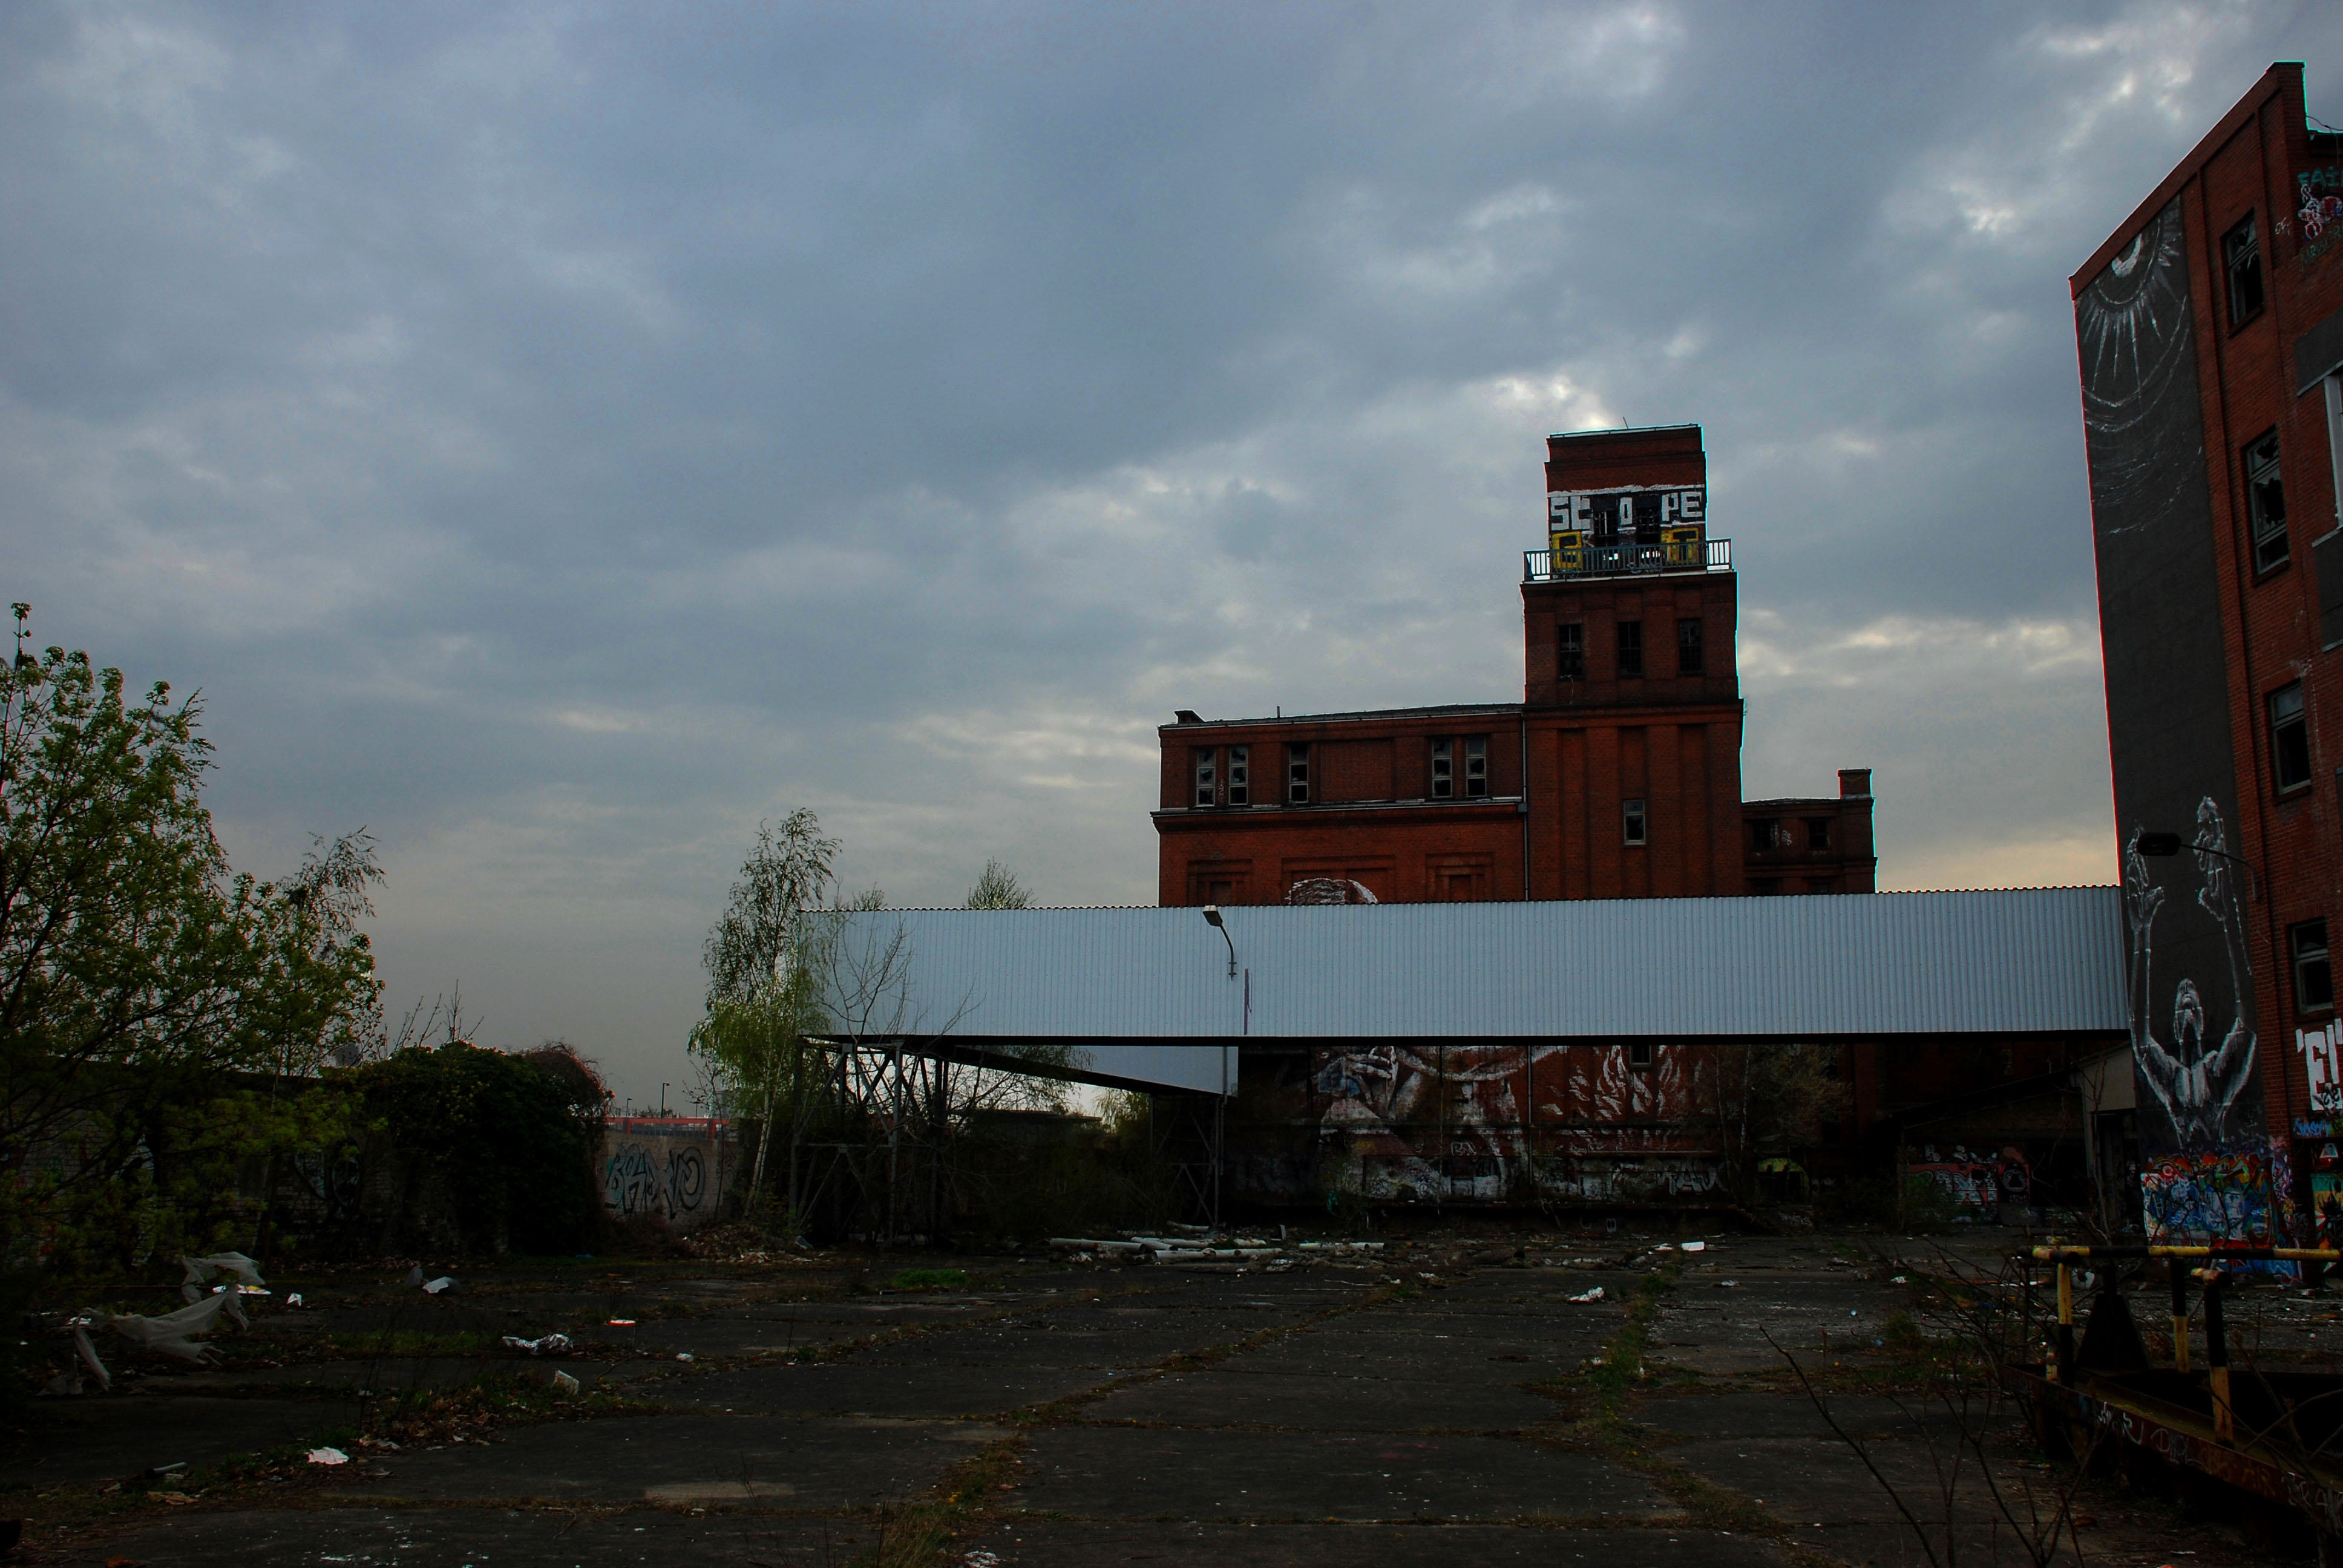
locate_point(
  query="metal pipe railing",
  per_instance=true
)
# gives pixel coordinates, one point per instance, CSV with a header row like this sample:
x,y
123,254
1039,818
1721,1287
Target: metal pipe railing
x,y
1625,559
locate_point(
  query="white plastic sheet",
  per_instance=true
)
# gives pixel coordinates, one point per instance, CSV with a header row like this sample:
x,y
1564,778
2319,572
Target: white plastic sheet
x,y
175,1333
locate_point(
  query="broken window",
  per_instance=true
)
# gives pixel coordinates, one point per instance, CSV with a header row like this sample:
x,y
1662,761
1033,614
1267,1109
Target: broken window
x,y
1632,820
1208,770
1476,766
1818,833
1631,648
1640,1053
1474,749
1765,834
2241,250
1443,769
1297,775
2314,979
2290,739
1240,774
1689,655
1570,652
2266,502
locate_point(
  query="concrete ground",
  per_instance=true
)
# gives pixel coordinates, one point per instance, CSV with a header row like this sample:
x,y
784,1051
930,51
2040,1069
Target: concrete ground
x,y
1443,1401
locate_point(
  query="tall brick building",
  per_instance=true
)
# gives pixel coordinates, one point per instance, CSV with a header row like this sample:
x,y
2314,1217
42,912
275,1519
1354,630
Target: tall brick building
x,y
1617,775
2210,332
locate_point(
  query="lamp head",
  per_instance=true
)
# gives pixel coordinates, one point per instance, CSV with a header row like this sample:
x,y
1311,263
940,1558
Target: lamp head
x,y
1212,914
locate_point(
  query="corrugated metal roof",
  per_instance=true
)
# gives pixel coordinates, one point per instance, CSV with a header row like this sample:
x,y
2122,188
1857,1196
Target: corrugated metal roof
x,y
1866,965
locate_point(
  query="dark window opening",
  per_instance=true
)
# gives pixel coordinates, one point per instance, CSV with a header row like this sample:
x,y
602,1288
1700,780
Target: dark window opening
x,y
1443,769
2314,978
2289,738
1297,775
1689,653
1818,833
1208,770
1239,776
2266,502
1632,821
1570,652
2241,250
1766,887
1765,835
1640,1053
1631,648
1821,885
1476,766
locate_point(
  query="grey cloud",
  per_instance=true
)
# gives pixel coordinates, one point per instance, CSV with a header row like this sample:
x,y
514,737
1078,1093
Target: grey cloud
x,y
558,435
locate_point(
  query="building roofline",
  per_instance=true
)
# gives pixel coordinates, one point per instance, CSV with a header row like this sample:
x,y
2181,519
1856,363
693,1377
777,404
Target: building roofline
x,y
2271,83
1360,716
1619,430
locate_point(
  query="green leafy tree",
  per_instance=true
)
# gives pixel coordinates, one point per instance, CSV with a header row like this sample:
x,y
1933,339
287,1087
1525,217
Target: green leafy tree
x,y
138,971
999,888
766,960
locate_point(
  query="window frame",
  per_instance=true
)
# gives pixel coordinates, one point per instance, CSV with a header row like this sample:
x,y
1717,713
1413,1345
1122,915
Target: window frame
x,y
1476,766
1818,835
1204,777
1635,822
1444,768
2287,735
2241,254
1238,779
1691,638
1297,773
1629,649
1643,1056
1570,650
2263,460
2307,954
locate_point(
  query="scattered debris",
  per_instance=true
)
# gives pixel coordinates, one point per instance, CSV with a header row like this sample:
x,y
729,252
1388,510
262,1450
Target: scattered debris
x,y
414,1275
173,1333
683,1355
621,1323
444,1282
199,1271
294,1300
565,1383
1593,1295
328,1456
544,1344
1695,1246
157,1472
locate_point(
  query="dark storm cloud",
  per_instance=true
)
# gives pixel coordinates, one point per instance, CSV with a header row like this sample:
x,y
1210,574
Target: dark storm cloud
x,y
559,435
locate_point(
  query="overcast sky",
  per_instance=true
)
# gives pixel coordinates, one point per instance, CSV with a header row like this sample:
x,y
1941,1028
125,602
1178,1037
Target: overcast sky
x,y
557,436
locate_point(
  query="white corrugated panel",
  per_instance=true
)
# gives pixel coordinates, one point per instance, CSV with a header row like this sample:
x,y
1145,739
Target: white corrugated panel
x,y
2022,961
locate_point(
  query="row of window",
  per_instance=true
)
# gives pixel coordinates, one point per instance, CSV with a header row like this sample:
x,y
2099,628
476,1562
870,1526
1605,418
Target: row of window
x,y
1460,770
1570,649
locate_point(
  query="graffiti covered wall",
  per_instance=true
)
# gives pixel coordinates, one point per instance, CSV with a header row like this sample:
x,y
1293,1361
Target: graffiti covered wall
x,y
1584,1123
678,1167
2205,1146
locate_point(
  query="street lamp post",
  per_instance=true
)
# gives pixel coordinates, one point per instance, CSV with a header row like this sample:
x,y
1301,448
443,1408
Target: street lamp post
x,y
2164,846
1221,1104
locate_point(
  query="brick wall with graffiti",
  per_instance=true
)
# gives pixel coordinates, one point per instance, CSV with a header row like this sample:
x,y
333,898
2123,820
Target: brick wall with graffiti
x,y
680,1168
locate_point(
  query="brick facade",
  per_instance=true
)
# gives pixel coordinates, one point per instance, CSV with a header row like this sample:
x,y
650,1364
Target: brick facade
x,y
2253,220
1618,775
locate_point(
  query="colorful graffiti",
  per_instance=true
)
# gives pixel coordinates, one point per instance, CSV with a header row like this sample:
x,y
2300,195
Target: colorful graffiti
x,y
2234,1191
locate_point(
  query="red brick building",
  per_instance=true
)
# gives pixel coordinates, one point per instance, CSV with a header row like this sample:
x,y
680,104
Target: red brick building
x,y
1618,775
2210,331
